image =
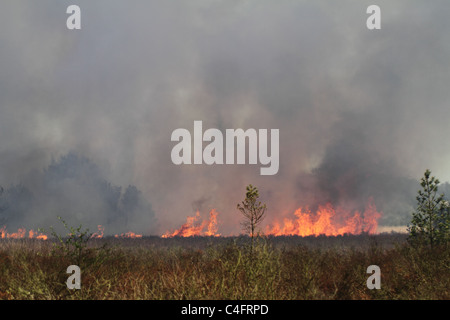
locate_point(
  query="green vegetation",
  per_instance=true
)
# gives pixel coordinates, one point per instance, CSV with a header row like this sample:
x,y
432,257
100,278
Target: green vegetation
x,y
253,212
222,268
430,224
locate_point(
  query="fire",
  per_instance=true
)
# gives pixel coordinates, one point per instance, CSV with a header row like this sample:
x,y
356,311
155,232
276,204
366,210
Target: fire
x,y
193,227
328,221
99,234
21,234
325,221
128,235
212,225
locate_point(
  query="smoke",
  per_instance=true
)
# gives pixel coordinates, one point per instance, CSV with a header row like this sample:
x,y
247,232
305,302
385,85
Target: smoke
x,y
75,189
353,171
361,113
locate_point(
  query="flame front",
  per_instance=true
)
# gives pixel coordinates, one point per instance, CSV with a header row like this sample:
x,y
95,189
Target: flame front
x,y
99,234
101,231
193,227
21,234
129,235
328,221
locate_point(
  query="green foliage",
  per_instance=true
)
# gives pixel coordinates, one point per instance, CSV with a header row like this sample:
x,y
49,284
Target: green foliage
x,y
252,210
74,244
254,274
74,247
430,222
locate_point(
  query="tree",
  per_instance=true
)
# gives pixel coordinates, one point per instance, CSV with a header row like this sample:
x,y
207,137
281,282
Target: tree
x,y
430,222
252,210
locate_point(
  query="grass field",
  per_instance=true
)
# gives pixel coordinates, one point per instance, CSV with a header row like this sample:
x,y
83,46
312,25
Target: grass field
x,y
225,268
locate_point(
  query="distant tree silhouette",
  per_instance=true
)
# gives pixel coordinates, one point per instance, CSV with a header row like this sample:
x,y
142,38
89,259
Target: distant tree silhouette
x,y
76,189
15,202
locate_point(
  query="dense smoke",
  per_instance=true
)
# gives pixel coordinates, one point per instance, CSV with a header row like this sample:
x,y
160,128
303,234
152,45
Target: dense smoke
x,y
86,113
74,189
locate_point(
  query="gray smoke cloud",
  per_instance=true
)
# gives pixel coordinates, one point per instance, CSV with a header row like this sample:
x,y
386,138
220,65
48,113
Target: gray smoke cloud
x,y
75,189
361,113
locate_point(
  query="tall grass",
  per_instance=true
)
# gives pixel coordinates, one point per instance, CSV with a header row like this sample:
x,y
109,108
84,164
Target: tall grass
x,y
209,268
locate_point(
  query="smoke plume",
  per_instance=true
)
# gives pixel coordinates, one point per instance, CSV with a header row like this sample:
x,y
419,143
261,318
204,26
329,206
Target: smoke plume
x,y
86,113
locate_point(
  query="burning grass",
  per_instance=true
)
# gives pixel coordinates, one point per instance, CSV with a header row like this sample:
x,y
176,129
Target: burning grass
x,y
222,268
327,220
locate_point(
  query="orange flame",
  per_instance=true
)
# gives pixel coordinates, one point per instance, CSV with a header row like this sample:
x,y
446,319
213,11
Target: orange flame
x,y
326,222
99,234
128,235
20,234
212,225
192,227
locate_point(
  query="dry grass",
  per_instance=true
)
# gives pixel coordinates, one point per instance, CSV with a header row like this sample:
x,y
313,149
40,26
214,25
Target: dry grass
x,y
222,268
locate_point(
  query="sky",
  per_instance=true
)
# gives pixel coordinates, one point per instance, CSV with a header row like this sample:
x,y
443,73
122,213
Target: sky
x,y
361,113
